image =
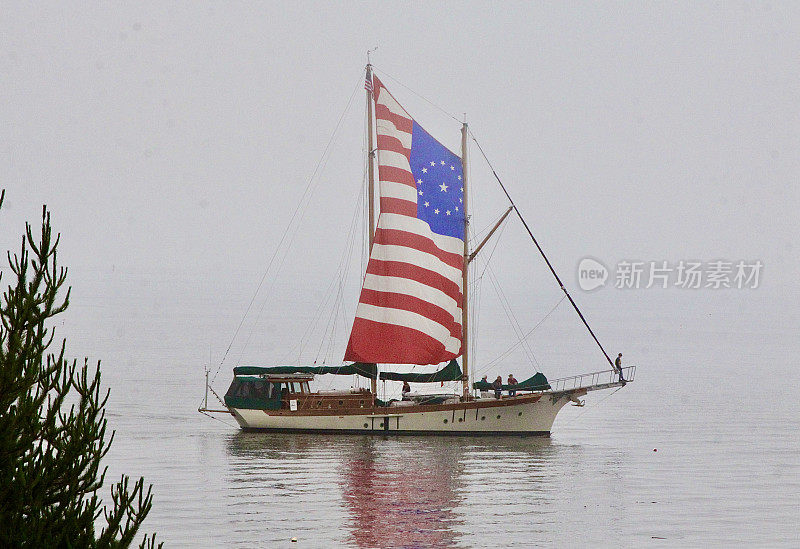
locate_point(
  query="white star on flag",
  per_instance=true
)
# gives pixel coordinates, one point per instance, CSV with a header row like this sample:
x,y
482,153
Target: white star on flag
x,y
443,187
436,211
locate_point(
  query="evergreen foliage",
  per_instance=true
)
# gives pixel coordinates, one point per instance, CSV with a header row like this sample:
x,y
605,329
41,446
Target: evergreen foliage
x,y
52,421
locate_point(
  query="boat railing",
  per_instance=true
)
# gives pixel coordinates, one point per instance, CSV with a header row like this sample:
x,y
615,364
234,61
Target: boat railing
x,y
591,379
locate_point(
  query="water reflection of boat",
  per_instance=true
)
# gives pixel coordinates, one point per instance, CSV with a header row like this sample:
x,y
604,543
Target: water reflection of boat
x,y
402,495
390,492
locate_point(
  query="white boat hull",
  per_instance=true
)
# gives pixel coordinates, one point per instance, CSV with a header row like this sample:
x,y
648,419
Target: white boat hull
x,y
521,415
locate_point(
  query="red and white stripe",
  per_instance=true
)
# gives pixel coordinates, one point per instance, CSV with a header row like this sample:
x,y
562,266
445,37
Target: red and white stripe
x,y
410,306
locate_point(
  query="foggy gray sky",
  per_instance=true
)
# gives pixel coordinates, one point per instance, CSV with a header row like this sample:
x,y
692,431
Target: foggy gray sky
x,y
173,140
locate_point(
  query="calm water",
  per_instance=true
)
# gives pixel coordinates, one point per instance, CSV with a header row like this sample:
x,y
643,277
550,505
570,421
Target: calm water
x,y
717,401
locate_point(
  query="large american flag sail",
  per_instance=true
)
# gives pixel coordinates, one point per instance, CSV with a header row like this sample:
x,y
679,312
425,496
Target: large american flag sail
x,y
410,306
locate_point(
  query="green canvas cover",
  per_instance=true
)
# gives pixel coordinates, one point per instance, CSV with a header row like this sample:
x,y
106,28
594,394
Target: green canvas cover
x,y
451,372
537,382
253,393
357,368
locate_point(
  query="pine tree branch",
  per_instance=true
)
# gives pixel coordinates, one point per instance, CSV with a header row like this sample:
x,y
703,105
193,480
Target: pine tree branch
x,y
53,429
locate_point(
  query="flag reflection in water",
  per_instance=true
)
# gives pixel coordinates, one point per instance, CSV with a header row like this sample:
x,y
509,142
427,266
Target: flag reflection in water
x,y
401,498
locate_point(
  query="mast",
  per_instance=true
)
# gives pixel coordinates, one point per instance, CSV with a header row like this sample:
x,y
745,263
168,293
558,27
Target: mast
x,y
465,279
370,183
370,158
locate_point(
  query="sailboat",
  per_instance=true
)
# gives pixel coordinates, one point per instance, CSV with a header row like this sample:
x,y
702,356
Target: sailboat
x,y
413,310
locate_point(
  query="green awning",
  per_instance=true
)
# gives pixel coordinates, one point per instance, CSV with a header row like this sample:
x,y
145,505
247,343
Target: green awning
x,y
357,368
451,372
536,383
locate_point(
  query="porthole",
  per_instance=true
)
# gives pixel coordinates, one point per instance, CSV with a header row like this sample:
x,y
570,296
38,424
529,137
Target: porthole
x,y
520,414
341,403
460,419
366,425
498,416
445,421
483,417
380,424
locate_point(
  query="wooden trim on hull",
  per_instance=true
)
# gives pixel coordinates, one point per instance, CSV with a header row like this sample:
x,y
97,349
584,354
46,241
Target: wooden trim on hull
x,y
421,408
393,432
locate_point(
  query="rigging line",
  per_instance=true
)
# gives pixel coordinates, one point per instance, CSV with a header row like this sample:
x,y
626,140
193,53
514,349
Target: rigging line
x,y
475,282
341,307
475,235
512,317
301,209
329,290
323,302
431,103
334,319
475,322
474,315
489,258
506,304
361,204
286,231
541,251
332,324
339,320
510,313
472,298
313,324
346,264
494,248
342,271
341,274
527,334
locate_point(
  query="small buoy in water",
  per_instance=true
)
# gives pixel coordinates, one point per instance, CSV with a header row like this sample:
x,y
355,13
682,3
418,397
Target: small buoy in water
x,y
294,540
655,449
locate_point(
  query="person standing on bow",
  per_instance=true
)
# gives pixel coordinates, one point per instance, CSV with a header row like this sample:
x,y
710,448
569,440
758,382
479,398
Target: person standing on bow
x,y
498,387
618,367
